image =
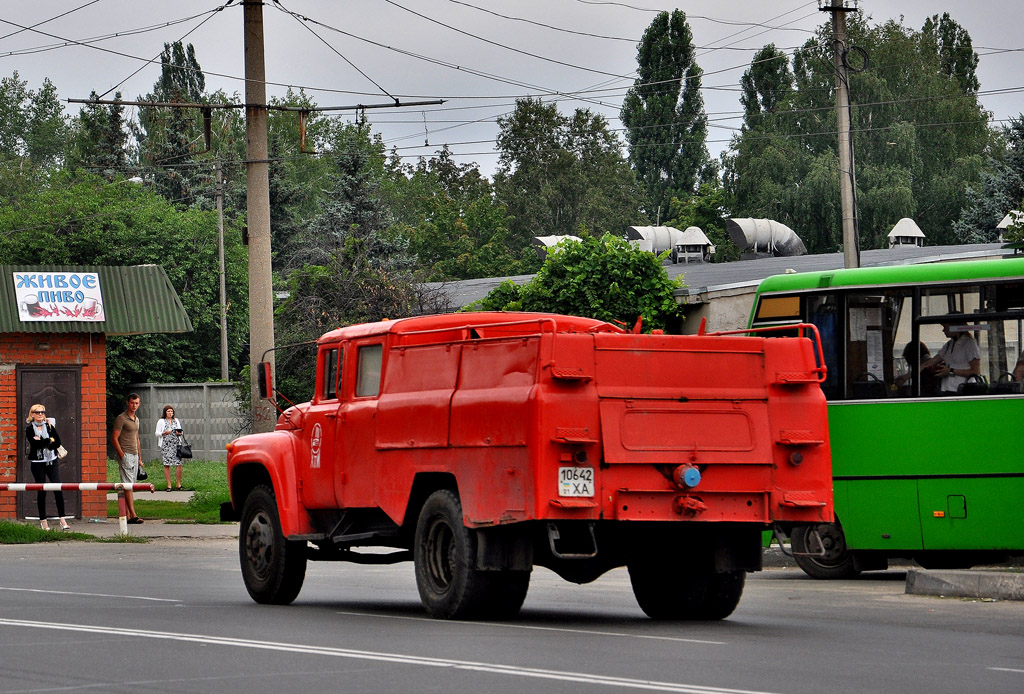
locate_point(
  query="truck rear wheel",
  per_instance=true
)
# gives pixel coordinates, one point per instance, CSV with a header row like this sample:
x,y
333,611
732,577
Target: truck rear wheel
x,y
666,593
273,568
828,559
450,585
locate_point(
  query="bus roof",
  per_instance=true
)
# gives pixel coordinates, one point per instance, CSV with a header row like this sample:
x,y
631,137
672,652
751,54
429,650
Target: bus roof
x,y
894,275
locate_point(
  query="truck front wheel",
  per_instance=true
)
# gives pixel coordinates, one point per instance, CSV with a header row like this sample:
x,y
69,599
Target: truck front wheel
x,y
665,593
450,585
273,568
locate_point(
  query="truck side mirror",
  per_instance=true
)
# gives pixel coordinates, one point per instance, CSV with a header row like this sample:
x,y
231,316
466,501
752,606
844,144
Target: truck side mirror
x,y
264,381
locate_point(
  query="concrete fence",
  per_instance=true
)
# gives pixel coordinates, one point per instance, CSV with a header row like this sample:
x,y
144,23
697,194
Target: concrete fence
x,y
208,413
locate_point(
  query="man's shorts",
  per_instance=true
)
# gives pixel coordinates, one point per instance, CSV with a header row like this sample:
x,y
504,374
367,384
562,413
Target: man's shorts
x,y
129,468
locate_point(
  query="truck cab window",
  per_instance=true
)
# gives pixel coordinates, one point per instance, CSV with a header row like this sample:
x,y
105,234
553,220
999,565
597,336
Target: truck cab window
x,y
332,375
368,374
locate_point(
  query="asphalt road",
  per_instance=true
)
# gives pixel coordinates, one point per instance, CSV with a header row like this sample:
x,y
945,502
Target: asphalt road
x,y
173,616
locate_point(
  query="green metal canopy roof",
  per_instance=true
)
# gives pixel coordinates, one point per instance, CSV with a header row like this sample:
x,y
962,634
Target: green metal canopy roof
x,y
136,300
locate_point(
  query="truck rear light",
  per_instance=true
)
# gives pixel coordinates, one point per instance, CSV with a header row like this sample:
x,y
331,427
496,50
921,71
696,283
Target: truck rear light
x,y
796,457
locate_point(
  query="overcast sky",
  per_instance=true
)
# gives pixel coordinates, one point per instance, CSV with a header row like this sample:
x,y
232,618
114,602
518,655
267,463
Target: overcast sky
x,y
478,55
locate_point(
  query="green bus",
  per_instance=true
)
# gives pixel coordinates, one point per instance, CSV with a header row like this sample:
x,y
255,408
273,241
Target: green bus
x,y
926,411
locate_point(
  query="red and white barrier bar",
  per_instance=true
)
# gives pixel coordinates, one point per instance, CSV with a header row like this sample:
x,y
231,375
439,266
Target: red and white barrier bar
x,y
76,486
119,487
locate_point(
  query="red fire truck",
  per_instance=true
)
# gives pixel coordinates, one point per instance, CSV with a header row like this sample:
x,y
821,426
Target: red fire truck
x,y
479,445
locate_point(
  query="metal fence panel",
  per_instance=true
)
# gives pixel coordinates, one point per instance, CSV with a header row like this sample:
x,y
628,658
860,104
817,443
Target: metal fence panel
x,y
208,413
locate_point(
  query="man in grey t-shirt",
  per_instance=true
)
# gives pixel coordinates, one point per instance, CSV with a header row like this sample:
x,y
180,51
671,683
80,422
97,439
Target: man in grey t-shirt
x,y
125,439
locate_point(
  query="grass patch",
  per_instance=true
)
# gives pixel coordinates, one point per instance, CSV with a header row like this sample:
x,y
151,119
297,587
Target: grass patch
x,y
12,533
208,479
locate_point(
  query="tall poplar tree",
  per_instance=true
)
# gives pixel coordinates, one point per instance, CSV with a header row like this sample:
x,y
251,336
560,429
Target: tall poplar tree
x,y
666,126
169,137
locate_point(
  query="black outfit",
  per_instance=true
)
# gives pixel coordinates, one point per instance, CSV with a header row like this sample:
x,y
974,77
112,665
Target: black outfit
x,y
43,470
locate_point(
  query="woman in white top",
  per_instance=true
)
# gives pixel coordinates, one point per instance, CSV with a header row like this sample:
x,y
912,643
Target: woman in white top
x,y
168,433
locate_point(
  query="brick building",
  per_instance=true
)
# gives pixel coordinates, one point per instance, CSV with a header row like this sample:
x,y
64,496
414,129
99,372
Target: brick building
x,y
54,323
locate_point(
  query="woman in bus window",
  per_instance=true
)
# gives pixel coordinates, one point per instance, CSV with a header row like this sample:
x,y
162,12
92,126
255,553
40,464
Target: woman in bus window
x,y
956,360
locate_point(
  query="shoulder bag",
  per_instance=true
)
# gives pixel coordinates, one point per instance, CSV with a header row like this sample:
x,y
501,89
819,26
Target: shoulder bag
x,y
184,447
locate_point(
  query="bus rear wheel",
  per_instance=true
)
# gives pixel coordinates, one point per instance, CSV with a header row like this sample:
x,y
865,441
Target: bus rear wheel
x,y
821,551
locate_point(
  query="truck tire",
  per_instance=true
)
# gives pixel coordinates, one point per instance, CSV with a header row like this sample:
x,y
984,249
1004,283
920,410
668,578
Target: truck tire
x,y
450,585
665,593
273,568
836,562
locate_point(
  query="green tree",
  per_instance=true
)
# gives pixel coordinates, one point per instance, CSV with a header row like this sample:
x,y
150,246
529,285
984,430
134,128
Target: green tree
x,y
455,226
344,268
952,43
47,132
559,175
32,123
170,137
100,139
663,112
1000,190
767,85
84,219
14,99
608,279
919,136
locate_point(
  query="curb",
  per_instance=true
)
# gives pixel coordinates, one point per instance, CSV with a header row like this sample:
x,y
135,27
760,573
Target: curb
x,y
994,585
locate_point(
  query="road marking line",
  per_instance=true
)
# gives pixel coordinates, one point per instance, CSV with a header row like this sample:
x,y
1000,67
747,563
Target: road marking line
x,y
377,656
590,632
1005,669
88,595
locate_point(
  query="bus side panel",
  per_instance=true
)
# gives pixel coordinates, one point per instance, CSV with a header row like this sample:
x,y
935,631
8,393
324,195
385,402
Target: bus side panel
x,y
879,514
972,513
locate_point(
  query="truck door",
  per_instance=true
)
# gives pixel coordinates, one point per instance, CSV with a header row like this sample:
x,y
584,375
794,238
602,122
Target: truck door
x,y
317,471
357,486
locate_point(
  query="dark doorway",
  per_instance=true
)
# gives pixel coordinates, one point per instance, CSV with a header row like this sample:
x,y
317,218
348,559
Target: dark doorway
x,y
58,388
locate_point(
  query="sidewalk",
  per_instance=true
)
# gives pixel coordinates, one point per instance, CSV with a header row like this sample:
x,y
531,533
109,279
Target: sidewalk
x,y
155,527
1000,582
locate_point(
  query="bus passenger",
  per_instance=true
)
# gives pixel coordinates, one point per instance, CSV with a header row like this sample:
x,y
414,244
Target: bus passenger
x,y
957,360
929,381
1018,370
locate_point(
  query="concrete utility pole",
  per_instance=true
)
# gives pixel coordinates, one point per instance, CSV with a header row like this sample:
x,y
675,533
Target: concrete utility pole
x,y
851,241
223,283
257,170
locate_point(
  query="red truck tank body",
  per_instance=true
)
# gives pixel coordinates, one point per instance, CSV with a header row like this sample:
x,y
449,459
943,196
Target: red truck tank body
x,y
538,426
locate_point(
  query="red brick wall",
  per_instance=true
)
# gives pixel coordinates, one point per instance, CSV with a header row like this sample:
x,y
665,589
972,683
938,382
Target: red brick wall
x,y
86,349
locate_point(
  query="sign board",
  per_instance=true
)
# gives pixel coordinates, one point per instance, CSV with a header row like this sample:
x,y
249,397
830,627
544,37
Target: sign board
x,y
58,296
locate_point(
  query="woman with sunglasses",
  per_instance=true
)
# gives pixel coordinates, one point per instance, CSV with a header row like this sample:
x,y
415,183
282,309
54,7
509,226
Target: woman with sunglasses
x,y
43,441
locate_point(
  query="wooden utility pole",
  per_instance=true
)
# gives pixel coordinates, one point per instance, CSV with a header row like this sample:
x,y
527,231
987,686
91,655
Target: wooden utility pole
x,y
257,171
851,240
223,282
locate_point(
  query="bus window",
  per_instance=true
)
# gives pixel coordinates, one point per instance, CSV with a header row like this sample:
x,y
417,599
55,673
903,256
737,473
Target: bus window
x,y
872,320
778,309
823,312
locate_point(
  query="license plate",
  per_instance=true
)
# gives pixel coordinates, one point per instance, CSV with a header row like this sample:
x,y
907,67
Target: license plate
x,y
575,481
